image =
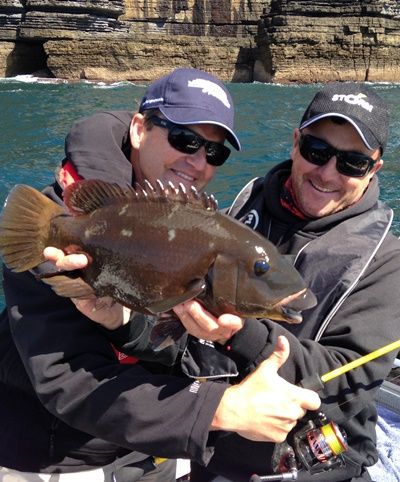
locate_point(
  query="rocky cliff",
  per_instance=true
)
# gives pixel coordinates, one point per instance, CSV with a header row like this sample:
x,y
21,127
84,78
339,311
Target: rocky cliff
x,y
238,40
319,41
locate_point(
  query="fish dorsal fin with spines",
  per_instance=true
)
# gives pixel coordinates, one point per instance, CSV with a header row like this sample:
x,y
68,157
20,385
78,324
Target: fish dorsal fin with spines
x,y
84,197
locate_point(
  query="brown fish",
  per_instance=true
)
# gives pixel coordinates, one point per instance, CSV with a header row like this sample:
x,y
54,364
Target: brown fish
x,y
151,249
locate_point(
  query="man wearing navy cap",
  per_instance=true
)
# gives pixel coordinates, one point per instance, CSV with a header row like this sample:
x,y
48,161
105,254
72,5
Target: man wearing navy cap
x,y
190,109
69,411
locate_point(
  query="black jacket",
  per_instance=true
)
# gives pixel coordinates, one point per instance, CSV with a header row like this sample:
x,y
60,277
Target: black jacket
x,y
364,320
66,403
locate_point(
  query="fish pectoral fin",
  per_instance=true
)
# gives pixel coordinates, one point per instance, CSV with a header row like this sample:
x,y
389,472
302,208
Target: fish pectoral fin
x,y
69,287
194,289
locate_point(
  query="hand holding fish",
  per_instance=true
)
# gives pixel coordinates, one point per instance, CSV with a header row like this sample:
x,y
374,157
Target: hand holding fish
x,y
202,324
197,321
264,407
104,310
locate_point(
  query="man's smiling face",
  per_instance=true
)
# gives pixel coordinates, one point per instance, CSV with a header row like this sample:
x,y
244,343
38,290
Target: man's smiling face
x,y
154,158
322,190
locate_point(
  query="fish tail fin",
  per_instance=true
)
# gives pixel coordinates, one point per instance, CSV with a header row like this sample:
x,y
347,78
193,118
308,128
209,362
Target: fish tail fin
x,y
25,227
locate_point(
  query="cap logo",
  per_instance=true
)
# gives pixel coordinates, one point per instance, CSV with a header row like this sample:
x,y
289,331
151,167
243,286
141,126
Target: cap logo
x,y
353,100
211,88
153,101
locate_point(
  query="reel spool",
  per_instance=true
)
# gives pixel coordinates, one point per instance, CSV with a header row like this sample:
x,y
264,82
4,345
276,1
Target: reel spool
x,y
320,448
317,447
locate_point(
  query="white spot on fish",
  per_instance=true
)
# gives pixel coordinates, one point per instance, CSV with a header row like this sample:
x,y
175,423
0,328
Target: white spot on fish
x,y
109,276
127,232
171,234
97,229
123,210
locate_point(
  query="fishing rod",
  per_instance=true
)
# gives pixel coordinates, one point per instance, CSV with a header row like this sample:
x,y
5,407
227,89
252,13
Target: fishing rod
x,y
316,382
318,446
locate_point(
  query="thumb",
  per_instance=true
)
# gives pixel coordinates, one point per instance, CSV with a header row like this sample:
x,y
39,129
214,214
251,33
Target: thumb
x,y
280,353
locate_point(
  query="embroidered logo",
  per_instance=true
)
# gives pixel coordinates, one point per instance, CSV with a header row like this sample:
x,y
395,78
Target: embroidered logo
x,y
353,100
251,219
153,101
210,88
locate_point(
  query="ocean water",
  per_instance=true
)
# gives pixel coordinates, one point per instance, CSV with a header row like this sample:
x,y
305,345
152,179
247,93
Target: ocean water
x,y
36,116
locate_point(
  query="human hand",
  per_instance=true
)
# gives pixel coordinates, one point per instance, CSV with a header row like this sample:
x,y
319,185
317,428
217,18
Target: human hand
x,y
202,324
105,310
65,262
264,407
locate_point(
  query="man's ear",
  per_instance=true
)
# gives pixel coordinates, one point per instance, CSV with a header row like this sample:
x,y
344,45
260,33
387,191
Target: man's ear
x,y
296,138
136,130
377,166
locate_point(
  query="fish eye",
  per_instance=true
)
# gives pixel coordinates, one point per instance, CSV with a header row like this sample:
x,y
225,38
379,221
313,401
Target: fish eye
x,y
261,267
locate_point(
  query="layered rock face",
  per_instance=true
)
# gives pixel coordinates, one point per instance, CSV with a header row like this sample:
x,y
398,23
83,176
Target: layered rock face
x,y
319,41
242,41
132,40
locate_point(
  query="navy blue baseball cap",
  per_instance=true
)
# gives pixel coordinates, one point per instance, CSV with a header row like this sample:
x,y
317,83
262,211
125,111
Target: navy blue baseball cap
x,y
190,96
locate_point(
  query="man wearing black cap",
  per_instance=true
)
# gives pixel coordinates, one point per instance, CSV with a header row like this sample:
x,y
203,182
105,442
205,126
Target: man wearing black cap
x,y
323,207
69,411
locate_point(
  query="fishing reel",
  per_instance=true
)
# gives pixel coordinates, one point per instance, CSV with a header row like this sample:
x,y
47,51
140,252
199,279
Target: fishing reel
x,y
316,447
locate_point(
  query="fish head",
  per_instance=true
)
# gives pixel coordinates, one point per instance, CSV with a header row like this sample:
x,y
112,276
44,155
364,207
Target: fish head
x,y
260,283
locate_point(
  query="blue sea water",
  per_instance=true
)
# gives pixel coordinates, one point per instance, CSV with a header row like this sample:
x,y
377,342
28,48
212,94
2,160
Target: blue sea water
x,y
36,116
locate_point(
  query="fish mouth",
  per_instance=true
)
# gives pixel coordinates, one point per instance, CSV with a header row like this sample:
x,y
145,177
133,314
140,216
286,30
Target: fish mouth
x,y
291,307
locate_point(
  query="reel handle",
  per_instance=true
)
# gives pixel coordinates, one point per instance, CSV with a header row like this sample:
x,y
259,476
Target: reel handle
x,y
274,478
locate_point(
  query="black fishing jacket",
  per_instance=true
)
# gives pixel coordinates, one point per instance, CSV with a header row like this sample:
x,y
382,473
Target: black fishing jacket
x,y
351,262
66,403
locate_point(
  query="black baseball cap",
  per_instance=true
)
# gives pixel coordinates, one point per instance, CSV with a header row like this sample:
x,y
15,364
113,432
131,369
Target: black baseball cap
x,y
191,96
358,104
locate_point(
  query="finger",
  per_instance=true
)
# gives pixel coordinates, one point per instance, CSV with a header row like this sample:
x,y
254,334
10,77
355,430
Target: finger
x,y
180,310
53,254
230,322
65,262
200,314
105,302
187,321
194,316
84,305
310,400
74,261
280,353
299,415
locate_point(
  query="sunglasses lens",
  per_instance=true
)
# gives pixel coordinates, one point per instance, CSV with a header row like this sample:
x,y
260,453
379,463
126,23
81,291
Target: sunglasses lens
x,y
216,154
315,150
318,152
184,140
354,164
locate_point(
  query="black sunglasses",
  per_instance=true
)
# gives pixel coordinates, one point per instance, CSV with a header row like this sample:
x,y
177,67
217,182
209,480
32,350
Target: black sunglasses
x,y
348,163
185,140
